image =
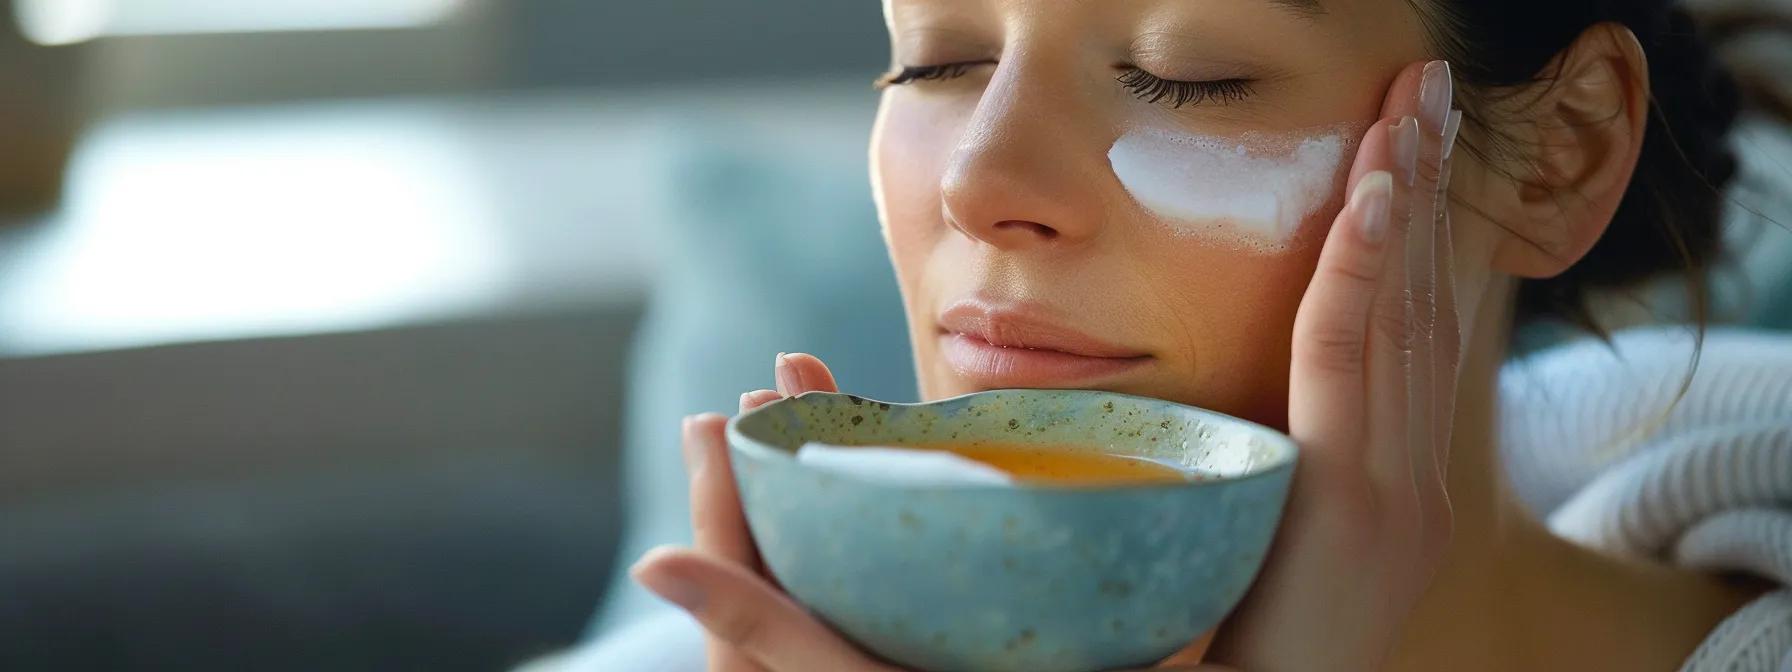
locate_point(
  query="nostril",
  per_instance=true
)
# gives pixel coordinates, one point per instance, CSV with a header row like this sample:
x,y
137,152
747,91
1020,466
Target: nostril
x,y
1036,228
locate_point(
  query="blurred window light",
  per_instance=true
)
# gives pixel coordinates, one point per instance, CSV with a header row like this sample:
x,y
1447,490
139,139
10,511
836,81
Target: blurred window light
x,y
55,22
196,227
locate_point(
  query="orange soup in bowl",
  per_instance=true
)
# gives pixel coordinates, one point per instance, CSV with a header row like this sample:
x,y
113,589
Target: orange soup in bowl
x,y
1040,465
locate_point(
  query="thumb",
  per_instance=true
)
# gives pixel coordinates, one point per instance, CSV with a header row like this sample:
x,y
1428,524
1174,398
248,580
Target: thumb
x,y
798,373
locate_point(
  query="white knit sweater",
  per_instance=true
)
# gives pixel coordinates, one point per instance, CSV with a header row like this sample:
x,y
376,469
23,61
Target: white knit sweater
x,y
1595,440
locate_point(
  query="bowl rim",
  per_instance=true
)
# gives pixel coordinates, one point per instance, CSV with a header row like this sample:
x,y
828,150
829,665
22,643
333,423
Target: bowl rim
x,y
741,442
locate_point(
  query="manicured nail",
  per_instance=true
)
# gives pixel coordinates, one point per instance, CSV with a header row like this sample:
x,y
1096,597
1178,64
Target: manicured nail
x,y
1371,202
1452,126
1405,139
687,440
1436,94
785,372
671,588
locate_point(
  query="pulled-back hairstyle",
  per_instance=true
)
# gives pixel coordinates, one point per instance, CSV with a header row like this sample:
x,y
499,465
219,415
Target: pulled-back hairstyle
x,y
1670,217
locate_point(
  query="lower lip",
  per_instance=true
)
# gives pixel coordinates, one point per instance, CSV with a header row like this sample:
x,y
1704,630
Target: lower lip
x,y
993,367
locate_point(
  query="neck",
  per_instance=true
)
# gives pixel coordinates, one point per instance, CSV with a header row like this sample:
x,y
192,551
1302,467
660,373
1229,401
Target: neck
x,y
1513,595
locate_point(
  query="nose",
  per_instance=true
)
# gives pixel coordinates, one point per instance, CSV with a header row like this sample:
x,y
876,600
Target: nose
x,y
1020,176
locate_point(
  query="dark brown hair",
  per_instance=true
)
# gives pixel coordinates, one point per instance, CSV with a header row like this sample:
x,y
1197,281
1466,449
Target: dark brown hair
x,y
1670,217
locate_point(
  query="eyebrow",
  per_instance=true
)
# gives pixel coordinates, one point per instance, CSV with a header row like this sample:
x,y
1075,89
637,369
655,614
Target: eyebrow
x,y
1305,8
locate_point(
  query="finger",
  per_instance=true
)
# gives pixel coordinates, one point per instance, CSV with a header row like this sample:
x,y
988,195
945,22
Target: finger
x,y
1403,93
798,373
1436,111
1403,389
1449,321
1331,329
741,609
721,656
1389,361
1191,656
757,398
717,521
1326,386
718,524
1436,102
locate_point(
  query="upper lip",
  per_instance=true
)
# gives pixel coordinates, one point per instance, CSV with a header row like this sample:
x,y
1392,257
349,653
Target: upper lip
x,y
1026,328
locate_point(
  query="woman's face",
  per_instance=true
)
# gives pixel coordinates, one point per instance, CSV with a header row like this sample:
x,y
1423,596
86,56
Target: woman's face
x,y
1052,226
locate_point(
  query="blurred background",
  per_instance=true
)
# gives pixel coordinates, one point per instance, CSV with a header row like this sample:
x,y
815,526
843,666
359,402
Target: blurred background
x,y
318,317
354,334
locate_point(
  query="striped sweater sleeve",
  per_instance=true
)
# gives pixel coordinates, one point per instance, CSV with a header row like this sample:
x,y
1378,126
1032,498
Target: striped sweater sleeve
x,y
1599,440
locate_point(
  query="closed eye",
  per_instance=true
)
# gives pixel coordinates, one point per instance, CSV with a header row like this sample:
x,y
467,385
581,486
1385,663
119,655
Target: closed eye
x,y
910,74
1153,89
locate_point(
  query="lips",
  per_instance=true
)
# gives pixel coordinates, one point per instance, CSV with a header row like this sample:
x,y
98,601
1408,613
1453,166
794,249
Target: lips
x,y
1002,347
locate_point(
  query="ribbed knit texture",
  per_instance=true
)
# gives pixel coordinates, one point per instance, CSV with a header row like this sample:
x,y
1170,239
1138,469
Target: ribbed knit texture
x,y
1599,439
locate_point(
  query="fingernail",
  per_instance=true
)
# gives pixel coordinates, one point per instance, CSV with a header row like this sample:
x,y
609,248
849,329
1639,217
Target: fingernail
x,y
1405,138
671,588
1436,94
1371,201
687,441
785,372
1452,126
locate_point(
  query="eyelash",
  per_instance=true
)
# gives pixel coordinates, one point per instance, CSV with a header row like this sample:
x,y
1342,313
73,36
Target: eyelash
x,y
1146,86
910,74
1152,89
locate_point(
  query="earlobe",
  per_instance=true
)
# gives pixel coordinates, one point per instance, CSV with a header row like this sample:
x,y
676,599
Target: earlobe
x,y
1577,141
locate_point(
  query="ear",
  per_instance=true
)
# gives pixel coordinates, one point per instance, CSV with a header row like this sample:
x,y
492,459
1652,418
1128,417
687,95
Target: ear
x,y
1577,138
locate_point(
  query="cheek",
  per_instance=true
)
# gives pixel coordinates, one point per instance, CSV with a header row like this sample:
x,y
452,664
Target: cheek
x,y
910,147
1253,192
1234,316
1231,231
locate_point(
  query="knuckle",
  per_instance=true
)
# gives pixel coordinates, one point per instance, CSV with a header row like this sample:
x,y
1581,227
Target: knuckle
x,y
1431,170
1358,266
740,627
1390,324
1337,349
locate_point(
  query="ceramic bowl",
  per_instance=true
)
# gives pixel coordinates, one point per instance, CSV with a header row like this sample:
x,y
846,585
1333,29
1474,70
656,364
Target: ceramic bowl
x,y
949,578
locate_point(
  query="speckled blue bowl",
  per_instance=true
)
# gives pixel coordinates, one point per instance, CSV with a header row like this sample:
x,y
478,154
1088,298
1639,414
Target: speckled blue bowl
x,y
991,578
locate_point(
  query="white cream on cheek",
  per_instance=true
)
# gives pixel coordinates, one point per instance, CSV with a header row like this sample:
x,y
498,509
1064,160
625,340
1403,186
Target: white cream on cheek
x,y
1253,190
